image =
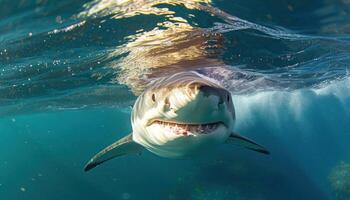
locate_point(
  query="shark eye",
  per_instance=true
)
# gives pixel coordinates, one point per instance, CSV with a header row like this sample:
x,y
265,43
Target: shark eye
x,y
153,97
228,98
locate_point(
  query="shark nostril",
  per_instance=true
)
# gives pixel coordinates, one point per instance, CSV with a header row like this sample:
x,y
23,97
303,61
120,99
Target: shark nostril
x,y
167,103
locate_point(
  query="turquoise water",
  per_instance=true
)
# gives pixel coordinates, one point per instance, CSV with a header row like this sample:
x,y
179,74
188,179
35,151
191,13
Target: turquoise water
x,y
70,70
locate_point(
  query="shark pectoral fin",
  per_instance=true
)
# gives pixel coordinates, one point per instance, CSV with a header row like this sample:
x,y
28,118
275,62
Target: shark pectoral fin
x,y
247,143
121,147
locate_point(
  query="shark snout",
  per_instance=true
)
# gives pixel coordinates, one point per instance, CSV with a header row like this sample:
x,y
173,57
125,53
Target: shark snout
x,y
221,95
197,97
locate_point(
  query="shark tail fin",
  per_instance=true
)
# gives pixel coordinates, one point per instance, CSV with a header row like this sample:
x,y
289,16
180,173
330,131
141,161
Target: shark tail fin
x,y
239,140
121,147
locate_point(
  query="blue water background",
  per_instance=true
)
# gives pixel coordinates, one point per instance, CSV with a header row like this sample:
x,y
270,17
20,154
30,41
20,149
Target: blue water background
x,y
60,103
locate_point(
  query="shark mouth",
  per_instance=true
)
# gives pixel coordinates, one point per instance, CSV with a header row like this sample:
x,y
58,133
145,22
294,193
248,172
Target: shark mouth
x,y
188,129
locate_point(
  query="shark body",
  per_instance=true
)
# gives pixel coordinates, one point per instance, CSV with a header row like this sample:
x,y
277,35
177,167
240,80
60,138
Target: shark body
x,y
179,116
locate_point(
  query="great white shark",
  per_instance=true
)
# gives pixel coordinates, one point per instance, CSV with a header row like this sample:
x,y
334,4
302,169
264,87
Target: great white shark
x,y
179,116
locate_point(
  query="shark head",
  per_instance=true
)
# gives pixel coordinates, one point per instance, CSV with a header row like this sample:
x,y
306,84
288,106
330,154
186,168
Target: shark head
x,y
182,114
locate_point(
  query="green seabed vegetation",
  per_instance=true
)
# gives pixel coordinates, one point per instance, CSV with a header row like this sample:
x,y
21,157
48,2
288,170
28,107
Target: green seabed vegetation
x,y
340,181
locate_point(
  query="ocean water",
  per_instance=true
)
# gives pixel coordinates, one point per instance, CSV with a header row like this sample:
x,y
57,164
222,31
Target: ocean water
x,y
71,70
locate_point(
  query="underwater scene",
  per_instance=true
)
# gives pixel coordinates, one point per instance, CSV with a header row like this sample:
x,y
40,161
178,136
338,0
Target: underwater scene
x,y
71,72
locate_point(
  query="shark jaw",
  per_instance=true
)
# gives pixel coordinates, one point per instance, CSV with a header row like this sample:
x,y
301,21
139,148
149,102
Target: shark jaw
x,y
186,129
182,140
